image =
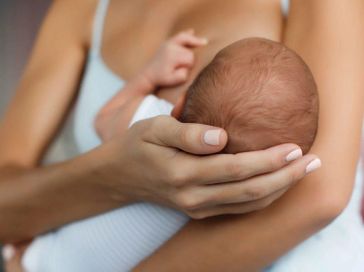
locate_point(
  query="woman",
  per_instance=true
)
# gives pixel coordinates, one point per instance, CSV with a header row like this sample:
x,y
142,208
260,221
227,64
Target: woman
x,y
75,185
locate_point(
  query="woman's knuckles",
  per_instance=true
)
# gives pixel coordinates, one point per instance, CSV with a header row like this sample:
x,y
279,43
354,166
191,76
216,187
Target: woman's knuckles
x,y
235,169
177,179
189,201
294,173
272,162
185,136
153,126
176,175
254,193
140,129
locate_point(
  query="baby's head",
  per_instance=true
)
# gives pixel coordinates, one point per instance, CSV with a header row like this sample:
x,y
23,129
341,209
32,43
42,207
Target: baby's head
x,y
260,92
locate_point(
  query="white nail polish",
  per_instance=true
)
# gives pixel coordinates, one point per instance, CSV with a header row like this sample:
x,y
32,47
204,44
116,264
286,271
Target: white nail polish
x,y
294,155
313,165
8,252
212,137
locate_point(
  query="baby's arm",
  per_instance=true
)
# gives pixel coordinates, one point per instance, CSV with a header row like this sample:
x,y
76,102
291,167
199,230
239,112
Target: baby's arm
x,y
170,67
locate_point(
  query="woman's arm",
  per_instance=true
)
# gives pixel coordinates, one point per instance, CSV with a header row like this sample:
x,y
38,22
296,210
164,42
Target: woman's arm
x,y
330,37
48,84
35,199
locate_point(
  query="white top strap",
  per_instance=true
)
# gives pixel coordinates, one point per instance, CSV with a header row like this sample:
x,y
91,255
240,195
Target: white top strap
x,y
98,26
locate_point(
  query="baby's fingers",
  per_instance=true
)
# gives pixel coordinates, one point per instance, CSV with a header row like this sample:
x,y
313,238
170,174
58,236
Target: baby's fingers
x,y
187,38
180,75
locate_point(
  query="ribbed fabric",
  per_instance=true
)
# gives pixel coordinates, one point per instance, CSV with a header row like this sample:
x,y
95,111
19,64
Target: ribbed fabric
x,y
114,241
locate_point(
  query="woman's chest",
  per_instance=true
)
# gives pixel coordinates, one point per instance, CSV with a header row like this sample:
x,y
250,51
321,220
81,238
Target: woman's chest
x,y
133,32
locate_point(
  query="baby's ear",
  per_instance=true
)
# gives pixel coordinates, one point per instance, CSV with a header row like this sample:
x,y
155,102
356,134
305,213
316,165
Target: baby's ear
x,y
177,110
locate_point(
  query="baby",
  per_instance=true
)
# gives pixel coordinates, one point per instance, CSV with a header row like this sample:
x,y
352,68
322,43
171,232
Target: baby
x,y
261,92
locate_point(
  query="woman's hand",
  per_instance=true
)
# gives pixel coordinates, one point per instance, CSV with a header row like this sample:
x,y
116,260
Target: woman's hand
x,y
156,160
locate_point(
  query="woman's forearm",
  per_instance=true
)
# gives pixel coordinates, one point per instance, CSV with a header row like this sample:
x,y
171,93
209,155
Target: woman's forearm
x,y
329,36
33,201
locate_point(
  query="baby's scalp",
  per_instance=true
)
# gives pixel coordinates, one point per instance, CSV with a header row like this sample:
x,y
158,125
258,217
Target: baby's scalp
x,y
260,92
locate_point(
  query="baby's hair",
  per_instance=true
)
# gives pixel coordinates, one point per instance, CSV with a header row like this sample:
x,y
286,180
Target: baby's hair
x,y
260,92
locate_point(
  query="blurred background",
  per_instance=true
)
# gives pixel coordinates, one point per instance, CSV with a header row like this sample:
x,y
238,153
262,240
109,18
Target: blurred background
x,y
19,22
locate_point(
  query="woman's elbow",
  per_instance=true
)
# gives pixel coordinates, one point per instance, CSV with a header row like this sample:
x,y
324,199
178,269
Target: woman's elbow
x,y
330,203
333,207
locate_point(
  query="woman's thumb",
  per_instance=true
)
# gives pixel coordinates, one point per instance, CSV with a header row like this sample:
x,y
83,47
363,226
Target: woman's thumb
x,y
192,138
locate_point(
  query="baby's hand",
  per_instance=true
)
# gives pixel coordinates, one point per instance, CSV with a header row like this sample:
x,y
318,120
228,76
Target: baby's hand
x,y
174,60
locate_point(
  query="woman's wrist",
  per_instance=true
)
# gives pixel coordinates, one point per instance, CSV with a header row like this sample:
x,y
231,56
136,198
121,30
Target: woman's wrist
x,y
103,169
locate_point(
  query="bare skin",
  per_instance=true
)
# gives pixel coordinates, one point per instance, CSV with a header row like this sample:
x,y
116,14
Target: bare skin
x,y
253,253
170,66
51,193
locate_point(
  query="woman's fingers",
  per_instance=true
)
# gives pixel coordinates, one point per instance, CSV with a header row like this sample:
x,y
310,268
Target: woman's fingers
x,y
191,138
246,191
219,183
234,167
259,187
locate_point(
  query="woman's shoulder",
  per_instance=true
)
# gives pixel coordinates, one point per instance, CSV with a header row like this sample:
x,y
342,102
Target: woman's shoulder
x,y
75,15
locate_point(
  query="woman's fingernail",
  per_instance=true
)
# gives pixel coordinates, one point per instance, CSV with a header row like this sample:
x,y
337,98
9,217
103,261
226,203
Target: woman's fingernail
x,y
294,155
313,165
8,252
212,137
